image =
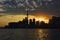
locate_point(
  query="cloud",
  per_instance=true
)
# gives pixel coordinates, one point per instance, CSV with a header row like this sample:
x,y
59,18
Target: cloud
x,y
34,3
19,7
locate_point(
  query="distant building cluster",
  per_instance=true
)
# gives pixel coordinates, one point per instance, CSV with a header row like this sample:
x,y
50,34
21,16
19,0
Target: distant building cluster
x,y
54,22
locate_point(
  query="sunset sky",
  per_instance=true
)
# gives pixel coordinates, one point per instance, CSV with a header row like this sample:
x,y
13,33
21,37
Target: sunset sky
x,y
15,10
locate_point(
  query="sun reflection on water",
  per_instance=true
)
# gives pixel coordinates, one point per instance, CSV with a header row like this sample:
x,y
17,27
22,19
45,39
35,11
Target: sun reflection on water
x,y
42,34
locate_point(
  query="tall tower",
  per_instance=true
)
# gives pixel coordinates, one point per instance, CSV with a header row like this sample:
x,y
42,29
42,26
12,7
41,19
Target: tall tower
x,y
27,14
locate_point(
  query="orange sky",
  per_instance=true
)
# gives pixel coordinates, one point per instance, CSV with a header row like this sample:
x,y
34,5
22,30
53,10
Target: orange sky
x,y
4,20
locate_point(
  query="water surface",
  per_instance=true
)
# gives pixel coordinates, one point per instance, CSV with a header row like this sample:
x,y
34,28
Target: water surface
x,y
29,34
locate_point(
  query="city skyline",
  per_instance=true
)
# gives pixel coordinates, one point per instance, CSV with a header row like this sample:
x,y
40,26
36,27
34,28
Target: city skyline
x,y
54,22
10,18
15,10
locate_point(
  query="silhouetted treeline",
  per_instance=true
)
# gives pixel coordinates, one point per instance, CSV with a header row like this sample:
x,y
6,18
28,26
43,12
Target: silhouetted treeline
x,y
54,22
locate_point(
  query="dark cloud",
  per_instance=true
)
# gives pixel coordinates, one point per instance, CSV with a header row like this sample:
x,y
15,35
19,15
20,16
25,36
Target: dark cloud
x,y
18,7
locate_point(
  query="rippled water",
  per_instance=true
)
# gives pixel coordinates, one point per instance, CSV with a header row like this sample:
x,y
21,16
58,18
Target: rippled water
x,y
29,34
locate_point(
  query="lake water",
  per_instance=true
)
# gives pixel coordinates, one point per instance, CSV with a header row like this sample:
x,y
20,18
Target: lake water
x,y
29,34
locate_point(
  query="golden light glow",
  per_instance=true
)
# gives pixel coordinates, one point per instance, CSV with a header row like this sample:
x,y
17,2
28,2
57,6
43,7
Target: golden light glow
x,y
40,19
46,20
4,20
42,16
43,34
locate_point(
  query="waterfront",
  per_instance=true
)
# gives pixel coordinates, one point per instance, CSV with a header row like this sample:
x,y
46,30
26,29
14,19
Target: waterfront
x,y
29,34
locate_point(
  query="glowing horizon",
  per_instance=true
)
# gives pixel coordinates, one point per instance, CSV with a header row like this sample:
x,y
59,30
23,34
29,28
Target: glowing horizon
x,y
46,20
4,20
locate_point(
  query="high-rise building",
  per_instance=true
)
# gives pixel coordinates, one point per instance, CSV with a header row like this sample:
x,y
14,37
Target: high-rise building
x,y
33,21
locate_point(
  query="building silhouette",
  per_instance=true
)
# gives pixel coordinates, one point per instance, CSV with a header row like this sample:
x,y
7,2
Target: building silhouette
x,y
54,22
